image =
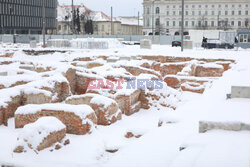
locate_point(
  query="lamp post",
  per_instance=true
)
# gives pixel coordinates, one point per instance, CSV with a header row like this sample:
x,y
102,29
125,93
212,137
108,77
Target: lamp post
x,y
182,26
44,24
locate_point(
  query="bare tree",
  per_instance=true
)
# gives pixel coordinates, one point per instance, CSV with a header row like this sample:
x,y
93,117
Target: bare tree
x,y
202,22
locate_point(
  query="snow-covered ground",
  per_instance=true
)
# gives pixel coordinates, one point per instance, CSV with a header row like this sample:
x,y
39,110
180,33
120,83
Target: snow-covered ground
x,y
158,146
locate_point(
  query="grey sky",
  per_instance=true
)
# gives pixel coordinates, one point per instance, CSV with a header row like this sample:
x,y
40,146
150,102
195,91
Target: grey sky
x,y
120,7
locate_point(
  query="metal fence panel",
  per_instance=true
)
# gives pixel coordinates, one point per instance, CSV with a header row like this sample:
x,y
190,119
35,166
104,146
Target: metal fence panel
x,y
163,40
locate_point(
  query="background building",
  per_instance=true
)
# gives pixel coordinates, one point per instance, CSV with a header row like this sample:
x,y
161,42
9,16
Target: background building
x,y
25,16
101,22
164,16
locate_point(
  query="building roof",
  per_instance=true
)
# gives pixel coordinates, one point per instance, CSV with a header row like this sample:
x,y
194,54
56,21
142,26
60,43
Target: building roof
x,y
65,10
96,16
130,20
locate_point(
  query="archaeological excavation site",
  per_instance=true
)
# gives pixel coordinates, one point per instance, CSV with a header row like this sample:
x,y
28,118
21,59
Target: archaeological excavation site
x,y
118,107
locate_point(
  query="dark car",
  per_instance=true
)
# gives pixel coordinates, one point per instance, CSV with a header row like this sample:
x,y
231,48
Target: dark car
x,y
176,43
216,43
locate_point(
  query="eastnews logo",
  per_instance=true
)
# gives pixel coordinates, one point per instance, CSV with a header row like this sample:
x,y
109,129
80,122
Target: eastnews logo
x,y
128,83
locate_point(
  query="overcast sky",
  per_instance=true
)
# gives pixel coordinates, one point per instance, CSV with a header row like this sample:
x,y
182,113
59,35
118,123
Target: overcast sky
x,y
120,7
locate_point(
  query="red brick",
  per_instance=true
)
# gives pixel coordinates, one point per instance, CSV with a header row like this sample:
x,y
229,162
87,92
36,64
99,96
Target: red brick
x,y
171,69
72,121
172,81
107,112
202,71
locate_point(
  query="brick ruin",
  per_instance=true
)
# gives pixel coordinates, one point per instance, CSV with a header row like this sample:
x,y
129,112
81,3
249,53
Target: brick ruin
x,y
74,123
179,73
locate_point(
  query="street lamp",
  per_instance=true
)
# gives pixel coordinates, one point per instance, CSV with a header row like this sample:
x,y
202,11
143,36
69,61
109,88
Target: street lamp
x,y
182,26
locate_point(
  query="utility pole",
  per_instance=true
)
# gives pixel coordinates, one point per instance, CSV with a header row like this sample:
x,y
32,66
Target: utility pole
x,y
138,28
72,18
182,26
153,18
111,21
44,24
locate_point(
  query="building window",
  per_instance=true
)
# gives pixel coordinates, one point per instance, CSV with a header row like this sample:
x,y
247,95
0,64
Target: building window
x,y
102,27
226,13
173,12
167,13
199,13
199,6
226,6
239,23
186,6
167,6
180,13
148,10
157,10
246,12
239,5
186,23
199,23
212,12
193,6
219,5
206,13
148,22
186,13
246,5
173,23
212,23
239,13
193,13
206,6
179,23
157,22
233,5
232,13
246,23
232,23
212,6
206,24
219,13
174,6
167,23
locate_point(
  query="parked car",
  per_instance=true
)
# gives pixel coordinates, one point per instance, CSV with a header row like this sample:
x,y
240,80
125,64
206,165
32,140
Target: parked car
x,y
176,43
216,43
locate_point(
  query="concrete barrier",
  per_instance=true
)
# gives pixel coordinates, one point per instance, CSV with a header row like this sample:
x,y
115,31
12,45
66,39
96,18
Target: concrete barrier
x,y
240,92
205,126
146,44
27,67
33,44
188,44
3,73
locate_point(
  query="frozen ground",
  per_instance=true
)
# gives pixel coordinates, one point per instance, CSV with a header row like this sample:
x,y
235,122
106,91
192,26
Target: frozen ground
x,y
159,146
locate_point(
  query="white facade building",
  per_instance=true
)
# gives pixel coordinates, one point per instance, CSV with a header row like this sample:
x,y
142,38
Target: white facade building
x,y
164,16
